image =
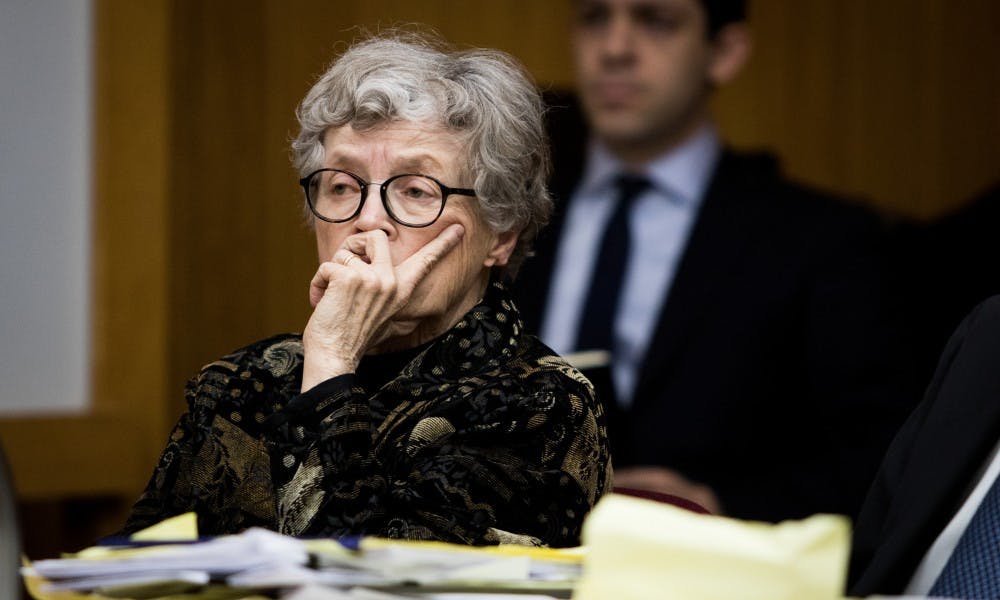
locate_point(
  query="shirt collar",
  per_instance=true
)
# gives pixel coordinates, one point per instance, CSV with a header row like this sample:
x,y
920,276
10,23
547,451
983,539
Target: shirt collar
x,y
683,173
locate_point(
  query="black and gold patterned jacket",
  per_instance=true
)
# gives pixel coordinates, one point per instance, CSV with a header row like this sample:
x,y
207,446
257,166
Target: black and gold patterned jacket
x,y
484,437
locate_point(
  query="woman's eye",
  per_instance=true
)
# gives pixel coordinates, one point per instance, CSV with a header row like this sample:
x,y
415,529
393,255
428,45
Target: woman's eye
x,y
342,186
416,193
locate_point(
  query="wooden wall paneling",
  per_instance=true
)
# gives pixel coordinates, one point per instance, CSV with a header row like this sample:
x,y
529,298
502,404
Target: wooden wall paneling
x,y
109,449
895,101
891,133
795,94
969,99
300,43
537,33
219,78
534,31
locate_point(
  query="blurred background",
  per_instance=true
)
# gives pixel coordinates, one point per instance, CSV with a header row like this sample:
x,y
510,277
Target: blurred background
x,y
197,240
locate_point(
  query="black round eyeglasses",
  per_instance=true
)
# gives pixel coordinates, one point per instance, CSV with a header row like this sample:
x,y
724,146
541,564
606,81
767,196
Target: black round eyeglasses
x,y
410,199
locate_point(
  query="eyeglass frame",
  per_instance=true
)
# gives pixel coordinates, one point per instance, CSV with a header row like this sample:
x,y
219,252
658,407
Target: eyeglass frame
x,y
383,194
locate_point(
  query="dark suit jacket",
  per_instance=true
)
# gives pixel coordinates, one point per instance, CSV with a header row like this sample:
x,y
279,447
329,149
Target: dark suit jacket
x,y
770,376
932,463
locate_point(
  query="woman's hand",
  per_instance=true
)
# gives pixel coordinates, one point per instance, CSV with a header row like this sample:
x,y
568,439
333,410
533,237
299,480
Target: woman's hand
x,y
356,294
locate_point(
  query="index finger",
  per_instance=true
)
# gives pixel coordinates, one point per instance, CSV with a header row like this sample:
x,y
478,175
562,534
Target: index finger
x,y
420,263
372,246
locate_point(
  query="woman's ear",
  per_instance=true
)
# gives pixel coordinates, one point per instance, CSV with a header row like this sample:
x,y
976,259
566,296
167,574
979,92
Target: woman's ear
x,y
502,248
731,49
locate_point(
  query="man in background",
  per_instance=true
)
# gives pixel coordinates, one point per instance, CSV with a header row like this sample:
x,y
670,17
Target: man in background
x,y
751,366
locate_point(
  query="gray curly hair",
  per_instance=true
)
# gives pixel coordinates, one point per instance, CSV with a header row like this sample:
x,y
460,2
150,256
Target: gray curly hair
x,y
485,96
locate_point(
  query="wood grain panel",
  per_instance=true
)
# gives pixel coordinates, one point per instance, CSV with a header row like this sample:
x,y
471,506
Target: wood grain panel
x,y
896,101
218,112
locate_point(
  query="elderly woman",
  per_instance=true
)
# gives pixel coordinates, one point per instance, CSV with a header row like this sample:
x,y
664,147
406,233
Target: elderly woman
x,y
413,405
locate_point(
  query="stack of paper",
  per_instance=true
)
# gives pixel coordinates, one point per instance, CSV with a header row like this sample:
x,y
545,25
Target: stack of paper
x,y
174,567
425,566
261,561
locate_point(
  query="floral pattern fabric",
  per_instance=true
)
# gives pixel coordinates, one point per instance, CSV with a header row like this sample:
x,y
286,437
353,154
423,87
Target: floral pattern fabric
x,y
484,437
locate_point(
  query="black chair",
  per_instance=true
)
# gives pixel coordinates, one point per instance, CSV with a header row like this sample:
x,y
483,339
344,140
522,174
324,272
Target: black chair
x,y
10,535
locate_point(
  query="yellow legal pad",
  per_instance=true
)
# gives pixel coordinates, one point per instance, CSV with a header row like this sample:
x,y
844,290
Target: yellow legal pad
x,y
643,549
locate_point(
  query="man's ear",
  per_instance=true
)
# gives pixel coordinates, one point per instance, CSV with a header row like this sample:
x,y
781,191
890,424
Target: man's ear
x,y
732,46
502,248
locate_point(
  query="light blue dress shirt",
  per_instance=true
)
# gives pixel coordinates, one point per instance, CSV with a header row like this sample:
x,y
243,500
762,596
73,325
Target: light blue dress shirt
x,y
660,221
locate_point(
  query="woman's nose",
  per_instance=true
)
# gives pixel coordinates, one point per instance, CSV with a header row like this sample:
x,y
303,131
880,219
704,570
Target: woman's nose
x,y
373,214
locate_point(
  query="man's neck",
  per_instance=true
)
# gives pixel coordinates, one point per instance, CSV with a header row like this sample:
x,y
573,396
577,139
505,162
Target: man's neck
x,y
637,153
